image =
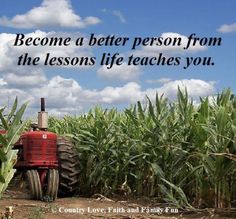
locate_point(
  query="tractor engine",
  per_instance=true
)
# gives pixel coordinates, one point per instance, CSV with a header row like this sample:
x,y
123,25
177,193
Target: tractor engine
x,y
37,149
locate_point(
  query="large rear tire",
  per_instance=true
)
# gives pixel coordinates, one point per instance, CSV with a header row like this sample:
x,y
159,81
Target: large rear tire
x,y
68,167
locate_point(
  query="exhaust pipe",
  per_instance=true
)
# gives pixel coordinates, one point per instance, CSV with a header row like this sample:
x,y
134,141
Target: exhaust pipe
x,y
42,104
43,116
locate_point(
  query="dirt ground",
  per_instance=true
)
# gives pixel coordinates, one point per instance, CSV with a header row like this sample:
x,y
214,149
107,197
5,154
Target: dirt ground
x,y
97,207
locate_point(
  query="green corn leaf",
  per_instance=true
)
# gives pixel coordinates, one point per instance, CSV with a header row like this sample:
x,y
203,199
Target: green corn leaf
x,y
13,110
4,122
3,157
2,180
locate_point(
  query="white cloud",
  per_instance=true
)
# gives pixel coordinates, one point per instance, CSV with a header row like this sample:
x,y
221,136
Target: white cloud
x,y
5,46
116,13
59,91
227,28
34,79
72,93
67,96
56,13
129,93
160,81
122,72
195,88
2,82
7,95
120,16
152,50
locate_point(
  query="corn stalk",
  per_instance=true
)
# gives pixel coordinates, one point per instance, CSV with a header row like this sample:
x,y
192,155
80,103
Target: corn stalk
x,y
8,156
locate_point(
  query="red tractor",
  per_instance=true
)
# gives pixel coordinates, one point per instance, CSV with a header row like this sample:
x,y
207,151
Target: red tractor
x,y
50,163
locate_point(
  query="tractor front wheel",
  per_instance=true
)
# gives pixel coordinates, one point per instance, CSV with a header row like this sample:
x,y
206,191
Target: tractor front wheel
x,y
52,184
68,167
34,184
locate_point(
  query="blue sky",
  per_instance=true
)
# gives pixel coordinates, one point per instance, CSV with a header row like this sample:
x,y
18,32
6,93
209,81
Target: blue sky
x,y
75,90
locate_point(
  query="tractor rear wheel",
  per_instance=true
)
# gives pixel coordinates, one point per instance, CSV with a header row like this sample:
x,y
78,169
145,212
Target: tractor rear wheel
x,y
68,167
34,184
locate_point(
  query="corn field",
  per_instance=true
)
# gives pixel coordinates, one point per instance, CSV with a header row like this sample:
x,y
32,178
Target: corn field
x,y
175,152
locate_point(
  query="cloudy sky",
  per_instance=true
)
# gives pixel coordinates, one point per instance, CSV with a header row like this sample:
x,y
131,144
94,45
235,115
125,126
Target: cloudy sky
x,y
76,89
